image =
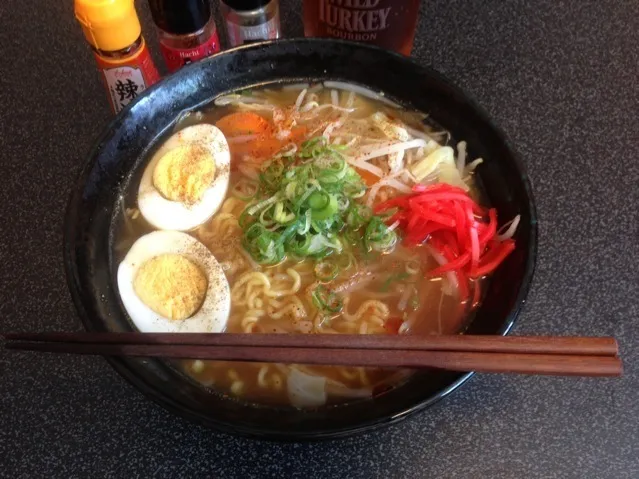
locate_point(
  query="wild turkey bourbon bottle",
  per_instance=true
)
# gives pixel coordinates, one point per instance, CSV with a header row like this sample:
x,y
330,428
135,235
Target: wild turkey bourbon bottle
x,y
387,23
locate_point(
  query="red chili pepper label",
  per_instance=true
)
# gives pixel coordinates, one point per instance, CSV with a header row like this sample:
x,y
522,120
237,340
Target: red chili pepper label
x,y
126,80
176,58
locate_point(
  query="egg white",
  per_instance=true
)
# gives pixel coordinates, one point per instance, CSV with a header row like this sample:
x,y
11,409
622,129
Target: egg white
x,y
165,214
214,312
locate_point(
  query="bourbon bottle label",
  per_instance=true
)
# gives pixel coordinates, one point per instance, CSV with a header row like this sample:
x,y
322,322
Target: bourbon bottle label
x,y
387,23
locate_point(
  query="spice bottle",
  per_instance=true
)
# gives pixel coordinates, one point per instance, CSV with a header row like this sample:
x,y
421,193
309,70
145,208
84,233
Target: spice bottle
x,y
386,23
250,20
113,30
186,30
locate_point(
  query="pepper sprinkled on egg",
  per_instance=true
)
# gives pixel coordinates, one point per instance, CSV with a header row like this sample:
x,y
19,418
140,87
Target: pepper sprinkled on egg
x,y
170,282
186,180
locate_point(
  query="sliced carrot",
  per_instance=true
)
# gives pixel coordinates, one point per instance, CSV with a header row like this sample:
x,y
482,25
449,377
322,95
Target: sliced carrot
x,y
367,177
298,135
243,123
266,145
248,123
263,146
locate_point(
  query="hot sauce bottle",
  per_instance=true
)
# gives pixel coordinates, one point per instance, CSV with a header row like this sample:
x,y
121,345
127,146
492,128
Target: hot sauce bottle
x,y
387,23
113,30
186,30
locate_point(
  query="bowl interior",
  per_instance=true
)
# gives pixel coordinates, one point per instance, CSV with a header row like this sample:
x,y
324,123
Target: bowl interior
x,y
122,148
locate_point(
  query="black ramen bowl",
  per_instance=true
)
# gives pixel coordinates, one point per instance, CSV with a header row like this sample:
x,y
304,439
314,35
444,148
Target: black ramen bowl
x,y
120,152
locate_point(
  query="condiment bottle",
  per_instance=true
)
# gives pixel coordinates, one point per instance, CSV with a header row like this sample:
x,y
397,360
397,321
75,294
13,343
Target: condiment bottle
x,y
113,30
250,20
186,30
387,23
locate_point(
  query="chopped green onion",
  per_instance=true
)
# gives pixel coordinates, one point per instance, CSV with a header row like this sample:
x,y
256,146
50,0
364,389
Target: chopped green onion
x,y
263,204
245,218
327,205
326,300
310,146
266,217
288,233
300,201
334,170
318,200
393,278
314,183
322,254
245,189
262,244
378,236
291,190
280,215
305,226
358,215
326,271
299,246
317,245
306,207
271,176
342,203
344,261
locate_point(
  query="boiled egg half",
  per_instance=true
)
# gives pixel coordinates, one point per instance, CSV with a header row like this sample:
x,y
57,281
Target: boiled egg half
x,y
170,282
186,180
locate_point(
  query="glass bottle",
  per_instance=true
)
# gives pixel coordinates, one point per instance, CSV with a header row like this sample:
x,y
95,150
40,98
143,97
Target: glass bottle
x,y
186,31
387,23
113,30
250,20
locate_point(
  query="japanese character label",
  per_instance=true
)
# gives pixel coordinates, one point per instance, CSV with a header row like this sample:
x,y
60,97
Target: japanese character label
x,y
124,85
126,80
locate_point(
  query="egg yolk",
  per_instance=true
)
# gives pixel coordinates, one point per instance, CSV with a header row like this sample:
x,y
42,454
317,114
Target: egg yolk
x,y
171,285
184,173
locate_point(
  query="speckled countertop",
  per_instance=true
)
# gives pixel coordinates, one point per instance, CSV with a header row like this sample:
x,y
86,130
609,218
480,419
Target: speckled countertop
x,y
560,77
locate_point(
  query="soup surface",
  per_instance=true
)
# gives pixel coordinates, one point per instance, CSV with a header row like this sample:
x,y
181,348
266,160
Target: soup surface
x,y
343,214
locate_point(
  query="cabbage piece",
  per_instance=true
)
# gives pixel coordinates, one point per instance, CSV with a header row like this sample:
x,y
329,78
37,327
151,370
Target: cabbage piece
x,y
305,390
449,174
444,155
338,389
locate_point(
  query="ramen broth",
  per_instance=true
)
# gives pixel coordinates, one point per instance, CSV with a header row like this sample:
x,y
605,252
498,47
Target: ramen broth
x,y
379,292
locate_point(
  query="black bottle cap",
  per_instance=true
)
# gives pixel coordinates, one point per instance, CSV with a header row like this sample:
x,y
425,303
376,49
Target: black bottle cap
x,y
246,5
180,17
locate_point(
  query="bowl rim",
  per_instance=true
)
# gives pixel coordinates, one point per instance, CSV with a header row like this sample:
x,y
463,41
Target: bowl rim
x,y
123,370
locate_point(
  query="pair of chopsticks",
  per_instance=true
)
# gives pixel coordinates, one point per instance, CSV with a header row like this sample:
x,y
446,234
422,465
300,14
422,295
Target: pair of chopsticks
x,y
575,356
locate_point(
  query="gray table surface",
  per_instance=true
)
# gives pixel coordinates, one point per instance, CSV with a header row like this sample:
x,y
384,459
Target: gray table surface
x,y
560,77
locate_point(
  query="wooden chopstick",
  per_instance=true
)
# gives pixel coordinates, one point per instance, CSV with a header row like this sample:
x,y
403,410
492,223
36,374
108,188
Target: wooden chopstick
x,y
550,364
575,345
283,348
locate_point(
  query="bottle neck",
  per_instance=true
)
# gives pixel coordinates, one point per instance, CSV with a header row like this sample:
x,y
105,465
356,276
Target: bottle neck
x,y
188,40
255,16
123,53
